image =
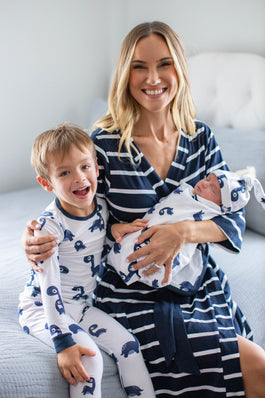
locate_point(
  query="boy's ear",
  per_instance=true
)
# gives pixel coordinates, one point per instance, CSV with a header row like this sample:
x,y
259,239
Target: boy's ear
x,y
44,183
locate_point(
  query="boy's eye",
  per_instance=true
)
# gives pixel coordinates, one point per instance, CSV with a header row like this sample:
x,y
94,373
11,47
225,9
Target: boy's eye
x,y
86,166
64,173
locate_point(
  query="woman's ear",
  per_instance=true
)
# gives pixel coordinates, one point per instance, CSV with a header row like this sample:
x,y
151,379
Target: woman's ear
x,y
45,184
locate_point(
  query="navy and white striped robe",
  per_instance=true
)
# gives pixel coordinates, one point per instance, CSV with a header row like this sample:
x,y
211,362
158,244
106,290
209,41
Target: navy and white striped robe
x,y
188,341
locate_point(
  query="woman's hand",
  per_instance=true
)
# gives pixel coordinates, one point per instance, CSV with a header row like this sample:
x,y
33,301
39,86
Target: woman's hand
x,y
166,242
37,248
119,230
70,365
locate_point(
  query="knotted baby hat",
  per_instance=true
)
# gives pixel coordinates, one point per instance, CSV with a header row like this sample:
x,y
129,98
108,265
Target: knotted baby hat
x,y
235,190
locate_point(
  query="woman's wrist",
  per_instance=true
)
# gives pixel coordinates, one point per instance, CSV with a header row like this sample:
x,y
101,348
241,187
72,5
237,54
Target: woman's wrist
x,y
186,231
200,231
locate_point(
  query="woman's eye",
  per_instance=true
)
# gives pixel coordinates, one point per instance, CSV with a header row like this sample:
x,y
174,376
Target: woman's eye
x,y
166,63
138,66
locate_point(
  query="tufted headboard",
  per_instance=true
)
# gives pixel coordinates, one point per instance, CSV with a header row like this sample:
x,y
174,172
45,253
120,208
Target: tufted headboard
x,y
229,95
229,89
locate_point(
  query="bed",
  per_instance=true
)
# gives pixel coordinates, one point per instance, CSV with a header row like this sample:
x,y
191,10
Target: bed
x,y
28,367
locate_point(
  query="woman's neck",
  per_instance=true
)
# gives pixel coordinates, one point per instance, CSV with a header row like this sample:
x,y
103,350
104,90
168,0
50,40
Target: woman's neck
x,y
157,138
158,125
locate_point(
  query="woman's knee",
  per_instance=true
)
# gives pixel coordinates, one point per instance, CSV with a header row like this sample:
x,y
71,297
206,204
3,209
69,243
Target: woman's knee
x,y
252,361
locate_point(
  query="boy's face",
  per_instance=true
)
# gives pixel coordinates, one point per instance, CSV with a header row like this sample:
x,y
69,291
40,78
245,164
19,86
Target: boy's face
x,y
209,188
73,178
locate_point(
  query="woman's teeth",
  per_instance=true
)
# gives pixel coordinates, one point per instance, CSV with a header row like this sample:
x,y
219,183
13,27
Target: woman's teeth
x,y
154,92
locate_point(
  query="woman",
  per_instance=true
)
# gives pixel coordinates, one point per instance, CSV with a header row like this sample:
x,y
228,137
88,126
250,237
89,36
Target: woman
x,y
147,144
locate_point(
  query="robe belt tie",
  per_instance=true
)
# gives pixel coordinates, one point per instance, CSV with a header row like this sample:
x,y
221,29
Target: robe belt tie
x,y
171,333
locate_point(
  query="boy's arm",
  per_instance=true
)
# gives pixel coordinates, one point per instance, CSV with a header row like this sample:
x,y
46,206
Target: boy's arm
x,y
69,353
50,285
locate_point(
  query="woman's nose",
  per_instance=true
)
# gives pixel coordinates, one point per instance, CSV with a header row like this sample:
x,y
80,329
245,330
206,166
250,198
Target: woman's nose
x,y
153,77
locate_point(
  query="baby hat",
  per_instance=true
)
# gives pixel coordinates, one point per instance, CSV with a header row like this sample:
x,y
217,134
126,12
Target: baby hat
x,y
235,190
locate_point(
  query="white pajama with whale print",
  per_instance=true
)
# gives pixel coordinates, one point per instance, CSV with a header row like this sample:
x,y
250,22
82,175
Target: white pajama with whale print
x,y
56,305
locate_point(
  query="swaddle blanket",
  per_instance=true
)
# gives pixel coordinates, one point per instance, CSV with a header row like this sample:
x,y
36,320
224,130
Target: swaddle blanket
x,y
188,265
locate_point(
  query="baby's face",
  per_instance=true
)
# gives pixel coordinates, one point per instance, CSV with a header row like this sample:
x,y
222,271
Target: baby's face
x,y
209,188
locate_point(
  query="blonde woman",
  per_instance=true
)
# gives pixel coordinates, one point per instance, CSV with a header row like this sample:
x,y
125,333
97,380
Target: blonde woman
x,y
147,144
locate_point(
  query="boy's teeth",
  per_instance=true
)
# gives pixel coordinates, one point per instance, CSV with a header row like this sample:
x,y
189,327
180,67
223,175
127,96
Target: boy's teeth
x,y
81,191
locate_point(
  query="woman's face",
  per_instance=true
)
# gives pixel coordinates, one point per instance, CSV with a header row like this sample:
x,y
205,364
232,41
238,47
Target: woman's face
x,y
153,79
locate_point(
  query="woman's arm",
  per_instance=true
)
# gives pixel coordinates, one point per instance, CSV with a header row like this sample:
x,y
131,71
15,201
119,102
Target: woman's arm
x,y
37,248
167,240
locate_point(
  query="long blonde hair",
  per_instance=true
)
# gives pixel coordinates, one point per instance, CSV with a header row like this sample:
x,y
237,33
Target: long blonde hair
x,y
123,110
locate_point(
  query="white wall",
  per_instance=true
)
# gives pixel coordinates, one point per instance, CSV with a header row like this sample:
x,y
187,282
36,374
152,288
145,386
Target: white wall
x,y
57,55
205,25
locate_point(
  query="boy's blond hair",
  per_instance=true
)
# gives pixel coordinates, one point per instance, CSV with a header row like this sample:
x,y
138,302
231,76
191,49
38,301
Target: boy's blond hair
x,y
57,140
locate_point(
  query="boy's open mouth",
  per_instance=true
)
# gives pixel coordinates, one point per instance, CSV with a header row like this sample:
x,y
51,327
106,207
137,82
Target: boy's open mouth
x,y
82,191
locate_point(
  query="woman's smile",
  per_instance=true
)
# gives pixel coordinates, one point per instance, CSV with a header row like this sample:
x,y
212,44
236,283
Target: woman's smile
x,y
154,92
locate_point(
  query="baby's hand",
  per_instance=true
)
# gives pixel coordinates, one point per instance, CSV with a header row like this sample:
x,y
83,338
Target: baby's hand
x,y
119,230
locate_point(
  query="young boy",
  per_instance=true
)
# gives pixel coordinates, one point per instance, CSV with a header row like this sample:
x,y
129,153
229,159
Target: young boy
x,y
55,305
220,192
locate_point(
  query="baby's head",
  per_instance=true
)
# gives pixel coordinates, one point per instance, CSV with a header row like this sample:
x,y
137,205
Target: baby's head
x,y
228,190
235,190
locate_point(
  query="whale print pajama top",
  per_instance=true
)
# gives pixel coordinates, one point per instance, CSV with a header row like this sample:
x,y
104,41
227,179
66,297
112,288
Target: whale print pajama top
x,y
67,288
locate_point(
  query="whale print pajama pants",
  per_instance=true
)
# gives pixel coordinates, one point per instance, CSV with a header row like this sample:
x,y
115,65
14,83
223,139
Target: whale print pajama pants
x,y
97,330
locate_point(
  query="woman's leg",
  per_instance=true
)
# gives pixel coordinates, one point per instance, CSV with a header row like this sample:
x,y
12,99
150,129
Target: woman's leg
x,y
123,347
252,360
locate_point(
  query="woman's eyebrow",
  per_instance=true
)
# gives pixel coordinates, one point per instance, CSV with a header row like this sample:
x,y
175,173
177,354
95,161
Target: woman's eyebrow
x,y
138,61
165,59
160,60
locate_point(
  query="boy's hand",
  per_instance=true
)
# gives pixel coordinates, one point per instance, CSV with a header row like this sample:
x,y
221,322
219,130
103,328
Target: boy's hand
x,y
70,365
119,230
